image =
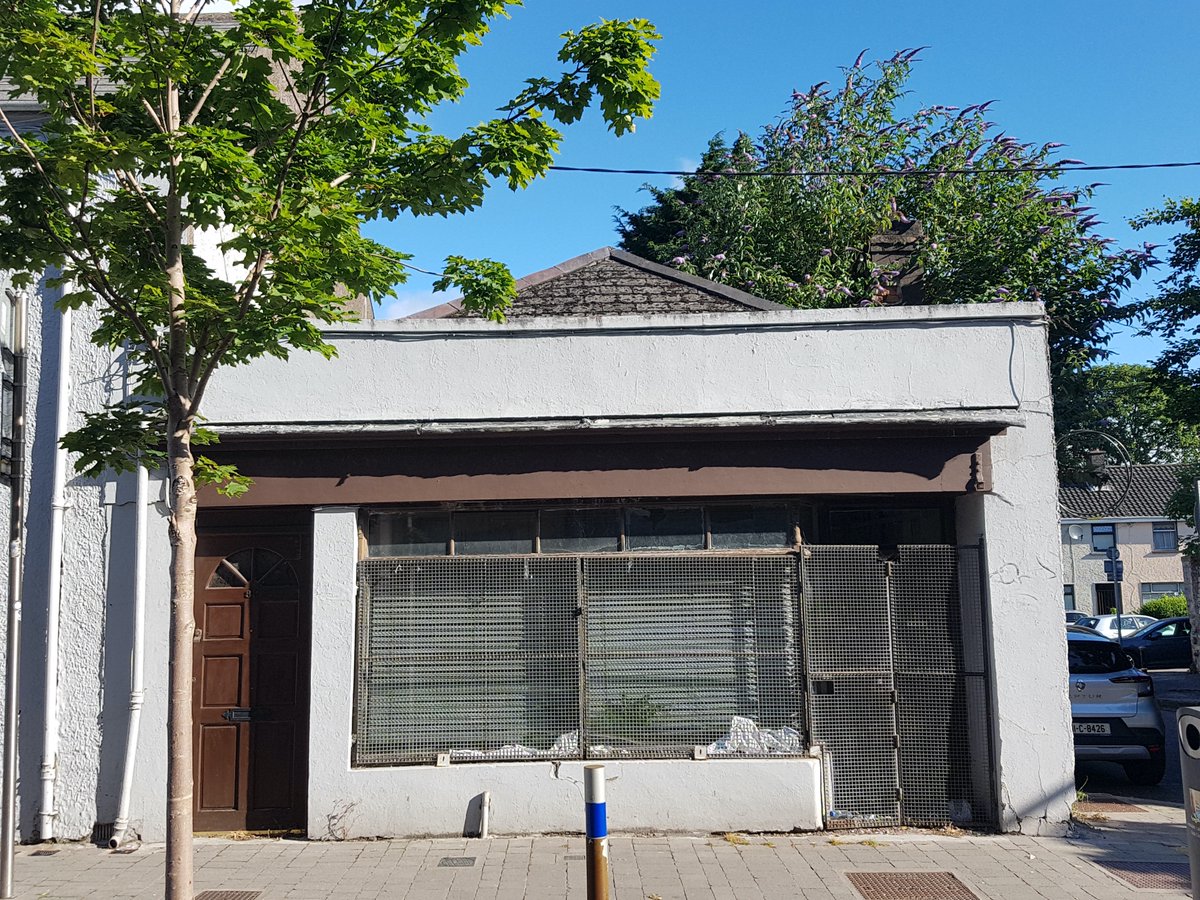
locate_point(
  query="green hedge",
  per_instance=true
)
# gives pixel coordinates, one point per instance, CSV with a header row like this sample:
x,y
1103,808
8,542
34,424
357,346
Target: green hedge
x,y
1165,606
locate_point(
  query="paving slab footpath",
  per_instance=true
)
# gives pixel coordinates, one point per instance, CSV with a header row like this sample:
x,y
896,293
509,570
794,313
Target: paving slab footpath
x,y
1117,841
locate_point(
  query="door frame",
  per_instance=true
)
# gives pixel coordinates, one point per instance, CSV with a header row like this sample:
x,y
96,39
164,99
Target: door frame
x,y
253,523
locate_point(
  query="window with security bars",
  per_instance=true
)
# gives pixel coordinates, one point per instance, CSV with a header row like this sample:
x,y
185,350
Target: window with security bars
x,y
584,656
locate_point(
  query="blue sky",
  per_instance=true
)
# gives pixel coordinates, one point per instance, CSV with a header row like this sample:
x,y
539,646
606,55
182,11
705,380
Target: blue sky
x,y
1115,81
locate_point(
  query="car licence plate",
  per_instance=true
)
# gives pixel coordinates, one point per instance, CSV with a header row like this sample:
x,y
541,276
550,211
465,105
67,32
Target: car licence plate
x,y
1092,728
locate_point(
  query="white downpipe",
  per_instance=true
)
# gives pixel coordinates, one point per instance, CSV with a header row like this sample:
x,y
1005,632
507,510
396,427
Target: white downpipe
x,y
136,689
47,812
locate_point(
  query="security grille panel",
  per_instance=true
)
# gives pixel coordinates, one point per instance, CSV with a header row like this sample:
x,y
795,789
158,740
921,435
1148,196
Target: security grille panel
x,y
848,648
687,651
896,647
475,657
491,658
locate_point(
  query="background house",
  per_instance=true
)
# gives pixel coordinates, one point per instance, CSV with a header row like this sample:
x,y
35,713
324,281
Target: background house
x,y
1146,538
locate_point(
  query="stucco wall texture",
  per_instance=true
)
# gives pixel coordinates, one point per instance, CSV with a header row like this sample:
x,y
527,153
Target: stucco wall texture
x,y
907,361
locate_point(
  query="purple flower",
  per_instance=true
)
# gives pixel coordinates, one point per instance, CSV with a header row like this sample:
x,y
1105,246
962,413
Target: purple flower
x,y
720,257
678,260
749,284
825,251
793,285
747,228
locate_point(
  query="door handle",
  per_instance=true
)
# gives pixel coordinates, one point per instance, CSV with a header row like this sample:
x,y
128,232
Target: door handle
x,y
237,714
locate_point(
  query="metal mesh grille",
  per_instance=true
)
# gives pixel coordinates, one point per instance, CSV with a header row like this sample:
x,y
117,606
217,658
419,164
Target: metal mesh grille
x,y
848,648
475,657
898,683
693,651
488,658
653,655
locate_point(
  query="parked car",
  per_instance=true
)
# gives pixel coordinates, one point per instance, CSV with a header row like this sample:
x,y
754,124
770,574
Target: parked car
x,y
1080,629
1113,712
1074,615
1167,644
1107,625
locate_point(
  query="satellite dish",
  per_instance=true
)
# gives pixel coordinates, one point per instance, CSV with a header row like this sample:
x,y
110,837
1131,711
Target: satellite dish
x,y
1076,532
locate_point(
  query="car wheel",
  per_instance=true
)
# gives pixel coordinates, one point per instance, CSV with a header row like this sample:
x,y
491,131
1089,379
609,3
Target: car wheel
x,y
1147,773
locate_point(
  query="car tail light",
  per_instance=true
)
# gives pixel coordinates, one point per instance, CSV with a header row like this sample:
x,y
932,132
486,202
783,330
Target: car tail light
x,y
1144,683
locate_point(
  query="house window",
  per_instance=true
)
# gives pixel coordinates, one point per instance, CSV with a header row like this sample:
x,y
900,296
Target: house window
x,y
482,657
1154,589
596,529
1106,599
1103,537
1068,596
1166,536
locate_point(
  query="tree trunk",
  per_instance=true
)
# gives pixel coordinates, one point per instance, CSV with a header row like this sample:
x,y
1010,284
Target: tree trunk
x,y
179,875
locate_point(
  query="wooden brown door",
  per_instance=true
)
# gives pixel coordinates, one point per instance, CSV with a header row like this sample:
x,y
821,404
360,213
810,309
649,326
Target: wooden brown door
x,y
250,682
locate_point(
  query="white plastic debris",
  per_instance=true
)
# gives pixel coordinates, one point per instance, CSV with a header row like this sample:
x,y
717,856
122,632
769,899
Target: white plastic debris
x,y
745,738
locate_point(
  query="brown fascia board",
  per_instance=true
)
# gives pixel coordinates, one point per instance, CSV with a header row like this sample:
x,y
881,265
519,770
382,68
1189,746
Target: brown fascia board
x,y
586,259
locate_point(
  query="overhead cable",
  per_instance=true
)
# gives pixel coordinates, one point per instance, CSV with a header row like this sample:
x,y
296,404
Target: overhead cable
x,y
872,173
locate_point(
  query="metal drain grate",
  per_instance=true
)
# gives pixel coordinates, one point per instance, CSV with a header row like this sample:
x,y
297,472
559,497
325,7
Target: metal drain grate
x,y
909,886
228,895
1106,806
456,862
43,852
1170,876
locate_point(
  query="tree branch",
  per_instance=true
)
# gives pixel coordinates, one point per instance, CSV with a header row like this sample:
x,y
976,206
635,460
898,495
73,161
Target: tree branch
x,y
207,91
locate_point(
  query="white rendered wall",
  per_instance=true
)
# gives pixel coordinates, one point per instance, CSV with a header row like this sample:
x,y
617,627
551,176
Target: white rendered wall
x,y
1032,731
813,361
656,795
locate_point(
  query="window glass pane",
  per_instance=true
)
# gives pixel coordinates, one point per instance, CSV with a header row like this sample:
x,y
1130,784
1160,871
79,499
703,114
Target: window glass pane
x,y
494,531
1102,538
884,526
581,530
1152,589
1069,596
409,534
737,527
1094,658
1165,536
665,529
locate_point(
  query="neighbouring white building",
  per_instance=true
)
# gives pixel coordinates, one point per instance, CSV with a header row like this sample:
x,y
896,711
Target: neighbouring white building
x,y
778,569
1130,514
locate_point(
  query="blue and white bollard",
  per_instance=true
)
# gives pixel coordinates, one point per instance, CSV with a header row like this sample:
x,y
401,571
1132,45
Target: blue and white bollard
x,y
596,821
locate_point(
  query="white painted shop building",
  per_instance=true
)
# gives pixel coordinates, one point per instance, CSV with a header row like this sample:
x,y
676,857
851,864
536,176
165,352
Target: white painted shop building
x,y
775,568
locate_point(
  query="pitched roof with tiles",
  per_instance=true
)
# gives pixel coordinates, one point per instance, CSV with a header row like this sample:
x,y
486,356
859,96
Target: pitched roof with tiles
x,y
612,282
1150,490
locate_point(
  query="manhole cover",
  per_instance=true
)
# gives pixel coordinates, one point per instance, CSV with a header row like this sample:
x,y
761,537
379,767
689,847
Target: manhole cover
x,y
1171,876
456,862
43,852
909,886
228,895
1107,806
